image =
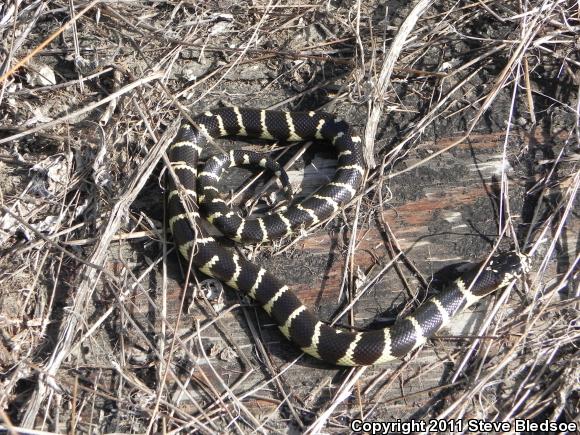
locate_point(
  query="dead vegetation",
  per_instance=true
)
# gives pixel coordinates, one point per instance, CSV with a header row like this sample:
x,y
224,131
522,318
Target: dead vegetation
x,y
462,103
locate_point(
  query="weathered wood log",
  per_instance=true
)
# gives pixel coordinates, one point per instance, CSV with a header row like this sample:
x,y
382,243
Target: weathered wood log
x,y
442,213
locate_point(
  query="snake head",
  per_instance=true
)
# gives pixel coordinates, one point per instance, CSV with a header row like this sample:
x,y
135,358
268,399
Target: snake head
x,y
498,272
511,262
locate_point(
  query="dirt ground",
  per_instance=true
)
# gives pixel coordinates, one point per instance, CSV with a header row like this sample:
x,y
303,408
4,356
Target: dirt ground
x,y
470,113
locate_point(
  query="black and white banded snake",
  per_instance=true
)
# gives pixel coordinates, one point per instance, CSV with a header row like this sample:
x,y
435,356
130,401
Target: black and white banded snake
x,y
299,324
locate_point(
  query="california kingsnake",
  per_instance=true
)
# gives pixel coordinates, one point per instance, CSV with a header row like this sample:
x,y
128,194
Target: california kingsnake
x,y
297,322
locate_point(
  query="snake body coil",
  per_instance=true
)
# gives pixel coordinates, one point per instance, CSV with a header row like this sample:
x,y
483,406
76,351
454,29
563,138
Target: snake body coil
x,y
296,321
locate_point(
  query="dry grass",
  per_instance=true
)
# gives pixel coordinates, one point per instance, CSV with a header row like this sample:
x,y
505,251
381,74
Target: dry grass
x,y
97,335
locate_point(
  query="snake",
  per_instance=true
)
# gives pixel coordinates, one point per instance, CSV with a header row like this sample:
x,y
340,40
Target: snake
x,y
193,197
